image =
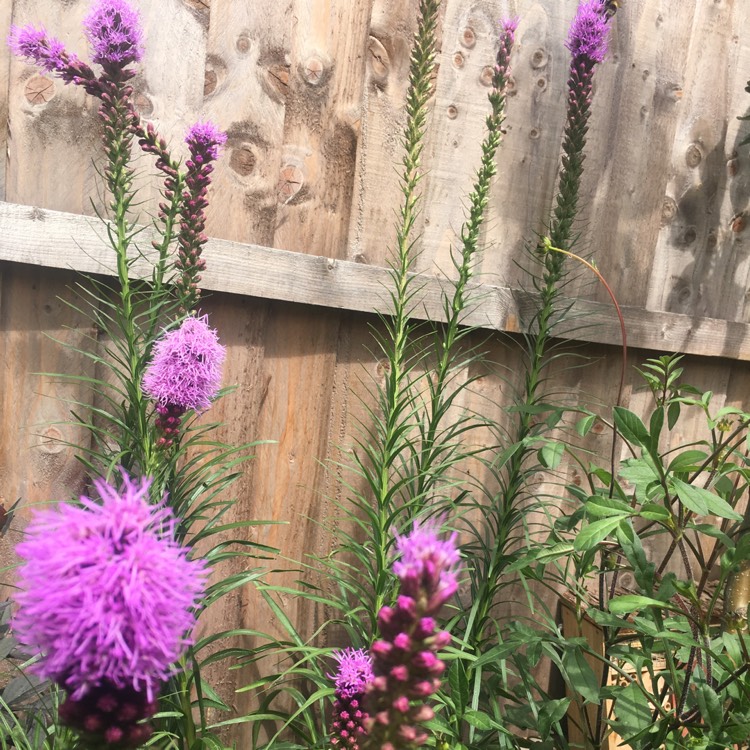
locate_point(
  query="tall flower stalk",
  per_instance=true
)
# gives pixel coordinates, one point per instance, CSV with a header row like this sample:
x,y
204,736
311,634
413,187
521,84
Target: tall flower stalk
x,y
152,379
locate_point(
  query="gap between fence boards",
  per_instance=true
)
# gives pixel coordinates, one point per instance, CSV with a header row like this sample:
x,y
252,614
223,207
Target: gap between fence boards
x,y
70,241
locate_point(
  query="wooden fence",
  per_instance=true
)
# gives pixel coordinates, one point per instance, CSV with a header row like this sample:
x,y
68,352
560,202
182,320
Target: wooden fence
x,y
311,94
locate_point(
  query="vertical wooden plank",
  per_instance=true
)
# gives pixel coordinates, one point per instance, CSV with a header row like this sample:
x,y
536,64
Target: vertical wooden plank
x,y
244,92
702,266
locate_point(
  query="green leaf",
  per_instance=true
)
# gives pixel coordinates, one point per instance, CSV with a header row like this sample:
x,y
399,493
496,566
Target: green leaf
x,y
551,454
480,720
583,426
630,426
673,414
710,707
592,534
690,460
581,677
703,502
459,683
633,713
550,712
654,512
606,507
624,605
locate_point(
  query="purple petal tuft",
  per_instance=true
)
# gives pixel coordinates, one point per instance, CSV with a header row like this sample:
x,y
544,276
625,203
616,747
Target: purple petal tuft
x,y
113,28
107,594
38,47
205,139
185,370
588,32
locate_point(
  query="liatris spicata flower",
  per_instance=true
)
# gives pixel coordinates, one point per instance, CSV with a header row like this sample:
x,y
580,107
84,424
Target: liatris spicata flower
x,y
49,53
184,373
587,42
406,667
204,141
353,676
113,28
107,598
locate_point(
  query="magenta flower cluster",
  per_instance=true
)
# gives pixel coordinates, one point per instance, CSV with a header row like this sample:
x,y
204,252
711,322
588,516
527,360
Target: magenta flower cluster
x,y
587,38
185,370
107,598
352,677
405,662
113,28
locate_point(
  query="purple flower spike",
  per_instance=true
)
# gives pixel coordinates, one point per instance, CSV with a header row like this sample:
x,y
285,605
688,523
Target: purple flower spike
x,y
204,139
184,372
407,669
353,676
587,39
107,596
113,28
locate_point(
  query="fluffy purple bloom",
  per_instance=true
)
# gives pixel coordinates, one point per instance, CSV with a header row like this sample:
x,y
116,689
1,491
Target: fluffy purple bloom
x,y
353,676
587,38
113,28
204,140
38,47
185,370
354,672
107,596
428,563
509,25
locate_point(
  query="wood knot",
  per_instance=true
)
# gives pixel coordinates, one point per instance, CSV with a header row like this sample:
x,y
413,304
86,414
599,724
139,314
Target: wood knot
x,y
486,76
452,112
313,70
39,90
739,222
541,84
539,58
668,210
468,37
243,43
210,79
380,61
242,160
51,441
458,60
693,156
290,182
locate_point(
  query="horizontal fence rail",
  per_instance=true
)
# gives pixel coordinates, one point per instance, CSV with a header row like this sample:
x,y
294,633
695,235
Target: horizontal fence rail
x,y
70,241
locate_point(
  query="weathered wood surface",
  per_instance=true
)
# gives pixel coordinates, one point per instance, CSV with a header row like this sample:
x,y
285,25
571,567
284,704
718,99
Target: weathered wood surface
x,y
311,95
69,241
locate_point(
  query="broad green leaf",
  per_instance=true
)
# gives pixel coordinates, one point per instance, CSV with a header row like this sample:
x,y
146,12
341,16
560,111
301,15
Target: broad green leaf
x,y
710,707
589,536
581,677
583,426
480,720
550,712
623,605
690,460
605,507
550,454
654,512
630,426
633,712
703,502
